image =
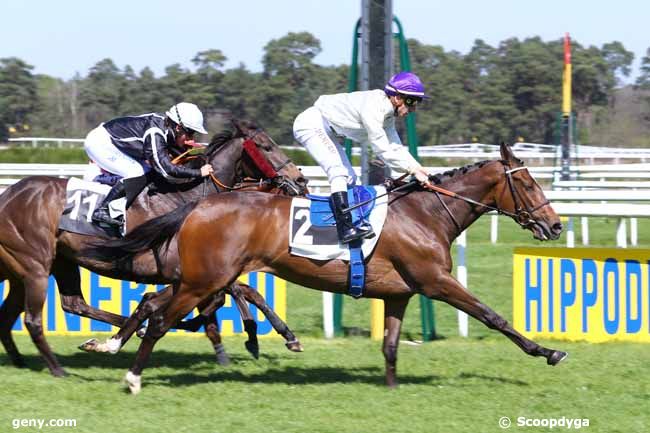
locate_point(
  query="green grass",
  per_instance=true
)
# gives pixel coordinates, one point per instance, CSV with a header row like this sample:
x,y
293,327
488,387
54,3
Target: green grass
x,y
449,385
44,155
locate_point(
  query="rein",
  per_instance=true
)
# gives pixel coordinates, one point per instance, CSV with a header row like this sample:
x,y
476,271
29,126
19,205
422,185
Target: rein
x,y
250,148
523,216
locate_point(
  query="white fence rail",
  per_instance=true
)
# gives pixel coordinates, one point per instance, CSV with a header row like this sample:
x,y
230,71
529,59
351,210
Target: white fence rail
x,y
622,199
474,151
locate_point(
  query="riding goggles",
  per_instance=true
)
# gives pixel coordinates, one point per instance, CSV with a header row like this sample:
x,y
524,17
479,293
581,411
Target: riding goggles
x,y
412,101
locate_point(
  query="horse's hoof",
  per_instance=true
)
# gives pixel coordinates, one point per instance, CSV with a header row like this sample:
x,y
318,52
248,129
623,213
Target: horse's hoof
x,y
113,345
556,357
141,331
134,382
295,346
222,356
253,348
59,372
89,345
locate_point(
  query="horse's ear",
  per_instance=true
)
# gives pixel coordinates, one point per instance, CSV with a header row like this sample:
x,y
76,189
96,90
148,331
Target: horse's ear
x,y
506,152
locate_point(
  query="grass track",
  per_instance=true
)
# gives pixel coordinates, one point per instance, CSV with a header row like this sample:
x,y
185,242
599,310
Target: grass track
x,y
450,385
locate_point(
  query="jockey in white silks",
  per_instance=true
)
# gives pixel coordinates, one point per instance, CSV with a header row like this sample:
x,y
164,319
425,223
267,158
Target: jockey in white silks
x,y
366,116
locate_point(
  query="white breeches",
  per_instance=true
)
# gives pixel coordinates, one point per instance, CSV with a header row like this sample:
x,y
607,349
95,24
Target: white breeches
x,y
103,152
314,132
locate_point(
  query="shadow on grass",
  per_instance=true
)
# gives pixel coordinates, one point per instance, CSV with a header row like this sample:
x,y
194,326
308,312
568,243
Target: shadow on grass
x,y
125,359
290,376
194,369
485,377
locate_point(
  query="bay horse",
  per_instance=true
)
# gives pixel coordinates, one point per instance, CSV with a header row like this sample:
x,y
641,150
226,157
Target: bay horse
x,y
32,246
221,237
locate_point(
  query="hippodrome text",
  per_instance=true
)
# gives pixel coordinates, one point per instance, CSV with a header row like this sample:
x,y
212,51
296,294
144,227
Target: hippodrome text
x,y
592,294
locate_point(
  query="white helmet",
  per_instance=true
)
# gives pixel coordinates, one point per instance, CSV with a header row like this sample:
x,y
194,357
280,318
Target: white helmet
x,y
188,116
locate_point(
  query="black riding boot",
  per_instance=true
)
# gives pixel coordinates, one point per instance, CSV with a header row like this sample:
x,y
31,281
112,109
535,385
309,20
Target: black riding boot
x,y
346,230
101,214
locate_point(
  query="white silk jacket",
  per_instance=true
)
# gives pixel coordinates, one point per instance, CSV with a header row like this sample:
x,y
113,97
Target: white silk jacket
x,y
368,117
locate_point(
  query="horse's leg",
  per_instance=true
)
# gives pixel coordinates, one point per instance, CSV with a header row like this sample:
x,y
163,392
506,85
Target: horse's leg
x,y
179,306
35,294
278,324
207,311
68,282
11,308
150,303
452,292
393,315
250,325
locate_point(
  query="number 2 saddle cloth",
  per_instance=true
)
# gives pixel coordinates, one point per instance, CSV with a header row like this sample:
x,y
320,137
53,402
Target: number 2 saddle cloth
x,y
82,197
312,228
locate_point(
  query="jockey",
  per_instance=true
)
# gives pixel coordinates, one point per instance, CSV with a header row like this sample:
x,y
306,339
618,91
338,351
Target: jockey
x,y
367,116
131,146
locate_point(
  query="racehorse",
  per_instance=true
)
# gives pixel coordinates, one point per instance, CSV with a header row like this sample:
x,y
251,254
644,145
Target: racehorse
x,y
223,236
32,246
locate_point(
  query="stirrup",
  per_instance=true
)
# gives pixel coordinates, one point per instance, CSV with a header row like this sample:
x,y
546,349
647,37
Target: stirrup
x,y
351,234
101,216
366,229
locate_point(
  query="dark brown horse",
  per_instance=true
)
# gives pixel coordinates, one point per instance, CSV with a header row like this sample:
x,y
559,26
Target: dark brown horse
x,y
411,257
32,246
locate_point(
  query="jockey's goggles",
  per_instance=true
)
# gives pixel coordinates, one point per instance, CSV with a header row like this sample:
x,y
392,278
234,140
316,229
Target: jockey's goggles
x,y
188,132
411,101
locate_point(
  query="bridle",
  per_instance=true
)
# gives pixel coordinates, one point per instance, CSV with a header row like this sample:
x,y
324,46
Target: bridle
x,y
268,170
522,214
265,166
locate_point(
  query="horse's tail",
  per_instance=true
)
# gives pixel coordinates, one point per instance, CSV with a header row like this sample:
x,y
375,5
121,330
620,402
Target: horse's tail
x,y
151,235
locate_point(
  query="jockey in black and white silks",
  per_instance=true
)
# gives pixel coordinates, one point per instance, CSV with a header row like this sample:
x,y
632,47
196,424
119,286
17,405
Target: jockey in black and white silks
x,y
131,146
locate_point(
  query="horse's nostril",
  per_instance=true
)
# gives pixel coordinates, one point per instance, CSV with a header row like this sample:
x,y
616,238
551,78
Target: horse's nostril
x,y
557,227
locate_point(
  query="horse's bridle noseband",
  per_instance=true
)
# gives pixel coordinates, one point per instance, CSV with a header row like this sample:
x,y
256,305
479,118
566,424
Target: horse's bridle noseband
x,y
523,216
250,148
266,166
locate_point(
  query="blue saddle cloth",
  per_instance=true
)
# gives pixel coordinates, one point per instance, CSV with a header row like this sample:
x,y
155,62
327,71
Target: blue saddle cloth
x,y
321,213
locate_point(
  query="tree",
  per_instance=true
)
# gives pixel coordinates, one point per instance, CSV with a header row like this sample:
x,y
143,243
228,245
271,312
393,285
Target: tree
x,y
618,59
643,81
18,94
285,90
102,93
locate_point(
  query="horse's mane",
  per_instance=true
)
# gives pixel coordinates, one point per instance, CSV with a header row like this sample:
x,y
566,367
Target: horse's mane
x,y
439,178
218,140
239,128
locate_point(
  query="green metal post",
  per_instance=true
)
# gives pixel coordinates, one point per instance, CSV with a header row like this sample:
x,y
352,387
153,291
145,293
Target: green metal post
x,y
338,315
427,312
353,79
405,62
353,83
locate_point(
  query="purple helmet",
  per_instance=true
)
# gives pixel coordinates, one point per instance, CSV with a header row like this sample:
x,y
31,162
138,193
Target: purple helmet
x,y
405,83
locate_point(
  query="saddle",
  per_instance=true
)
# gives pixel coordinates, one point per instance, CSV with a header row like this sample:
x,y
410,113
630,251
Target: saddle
x,y
82,197
312,230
